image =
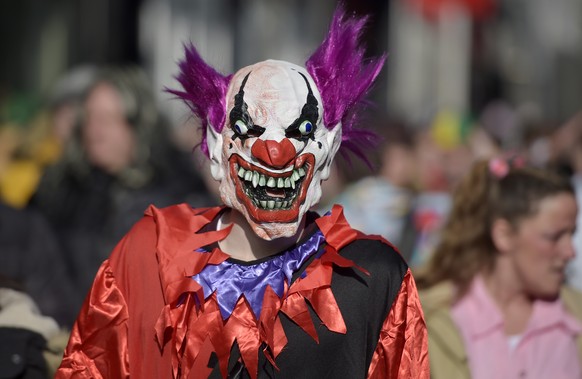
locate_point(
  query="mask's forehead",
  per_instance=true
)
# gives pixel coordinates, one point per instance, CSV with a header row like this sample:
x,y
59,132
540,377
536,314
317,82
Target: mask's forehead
x,y
274,91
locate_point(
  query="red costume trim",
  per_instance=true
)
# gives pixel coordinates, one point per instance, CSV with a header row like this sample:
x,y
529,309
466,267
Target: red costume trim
x,y
402,350
193,324
111,339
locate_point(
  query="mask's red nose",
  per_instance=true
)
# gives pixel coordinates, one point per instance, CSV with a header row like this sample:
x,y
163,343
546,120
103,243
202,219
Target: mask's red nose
x,y
273,153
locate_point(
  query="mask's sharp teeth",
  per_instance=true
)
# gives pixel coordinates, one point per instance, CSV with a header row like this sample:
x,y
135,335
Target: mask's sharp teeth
x,y
295,176
263,204
284,204
280,183
278,204
255,179
241,172
287,182
301,171
292,183
271,182
271,204
248,175
262,180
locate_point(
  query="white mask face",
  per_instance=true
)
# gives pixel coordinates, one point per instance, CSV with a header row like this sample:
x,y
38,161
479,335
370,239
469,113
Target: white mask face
x,y
273,151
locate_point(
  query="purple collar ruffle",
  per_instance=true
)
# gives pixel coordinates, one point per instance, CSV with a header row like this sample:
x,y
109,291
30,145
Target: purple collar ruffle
x,y
231,279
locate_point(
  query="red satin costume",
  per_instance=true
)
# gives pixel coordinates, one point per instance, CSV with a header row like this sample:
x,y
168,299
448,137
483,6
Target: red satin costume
x,y
354,313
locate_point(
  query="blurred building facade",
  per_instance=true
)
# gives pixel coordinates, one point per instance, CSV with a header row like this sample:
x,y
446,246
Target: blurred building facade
x,y
460,55
443,54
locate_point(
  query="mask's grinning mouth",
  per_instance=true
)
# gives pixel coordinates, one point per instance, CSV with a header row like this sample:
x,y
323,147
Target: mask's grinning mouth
x,y
268,192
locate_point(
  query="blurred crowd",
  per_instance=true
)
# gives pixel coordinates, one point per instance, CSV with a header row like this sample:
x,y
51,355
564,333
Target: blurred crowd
x,y
80,169
74,177
405,193
485,212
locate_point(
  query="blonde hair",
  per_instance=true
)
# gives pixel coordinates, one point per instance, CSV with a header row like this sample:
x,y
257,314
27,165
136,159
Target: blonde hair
x,y
466,247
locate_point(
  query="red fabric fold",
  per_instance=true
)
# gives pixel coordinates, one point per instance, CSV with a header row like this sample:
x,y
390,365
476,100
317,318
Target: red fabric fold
x,y
325,306
203,325
297,310
98,343
279,339
200,368
270,327
338,233
334,258
242,327
189,326
402,351
318,276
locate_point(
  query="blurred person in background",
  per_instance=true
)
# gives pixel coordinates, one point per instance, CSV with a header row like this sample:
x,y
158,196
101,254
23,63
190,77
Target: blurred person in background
x,y
381,204
340,176
433,199
33,136
445,152
66,104
31,343
493,292
495,130
117,161
37,297
22,155
31,255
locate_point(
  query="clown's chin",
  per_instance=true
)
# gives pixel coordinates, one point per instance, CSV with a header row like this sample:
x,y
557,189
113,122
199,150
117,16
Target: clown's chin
x,y
273,231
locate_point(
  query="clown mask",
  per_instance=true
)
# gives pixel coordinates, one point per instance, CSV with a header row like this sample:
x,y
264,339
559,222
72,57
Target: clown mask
x,y
274,150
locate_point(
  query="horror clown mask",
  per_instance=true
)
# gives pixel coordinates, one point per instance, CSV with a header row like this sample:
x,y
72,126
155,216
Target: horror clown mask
x,y
272,129
273,151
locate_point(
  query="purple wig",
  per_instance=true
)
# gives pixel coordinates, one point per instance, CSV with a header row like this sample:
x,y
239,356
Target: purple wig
x,y
204,91
338,68
344,78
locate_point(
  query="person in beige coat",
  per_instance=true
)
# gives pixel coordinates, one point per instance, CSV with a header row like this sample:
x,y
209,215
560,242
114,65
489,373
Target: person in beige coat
x,y
493,292
31,343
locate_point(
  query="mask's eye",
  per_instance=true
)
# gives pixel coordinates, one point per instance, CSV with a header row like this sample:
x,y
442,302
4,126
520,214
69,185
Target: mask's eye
x,y
306,128
300,130
240,128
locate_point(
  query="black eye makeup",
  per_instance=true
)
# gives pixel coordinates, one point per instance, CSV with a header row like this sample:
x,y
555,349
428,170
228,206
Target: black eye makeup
x,y
304,126
241,122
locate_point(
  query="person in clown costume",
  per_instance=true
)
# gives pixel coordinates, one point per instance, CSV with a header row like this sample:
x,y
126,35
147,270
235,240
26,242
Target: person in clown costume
x,y
260,287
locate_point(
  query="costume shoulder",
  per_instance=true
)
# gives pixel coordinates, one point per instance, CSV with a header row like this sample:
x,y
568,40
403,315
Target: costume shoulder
x,y
371,252
144,236
380,268
375,255
122,310
144,249
137,249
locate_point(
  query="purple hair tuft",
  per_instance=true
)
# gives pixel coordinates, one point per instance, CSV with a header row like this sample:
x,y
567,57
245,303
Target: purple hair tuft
x,y
344,77
204,91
